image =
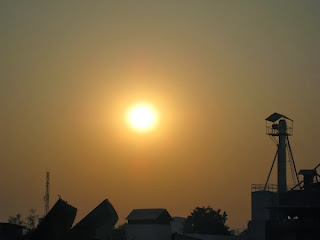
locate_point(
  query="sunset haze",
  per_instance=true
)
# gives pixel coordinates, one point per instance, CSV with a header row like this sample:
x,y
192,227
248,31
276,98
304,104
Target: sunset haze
x,y
214,70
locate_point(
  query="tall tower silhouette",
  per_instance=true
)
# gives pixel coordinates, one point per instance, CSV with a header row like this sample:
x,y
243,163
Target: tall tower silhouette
x,y
280,129
46,196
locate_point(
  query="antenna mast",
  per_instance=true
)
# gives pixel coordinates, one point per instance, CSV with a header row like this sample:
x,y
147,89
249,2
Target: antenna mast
x,y
46,196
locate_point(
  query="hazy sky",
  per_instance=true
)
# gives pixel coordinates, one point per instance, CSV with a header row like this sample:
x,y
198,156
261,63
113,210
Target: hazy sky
x,y
215,70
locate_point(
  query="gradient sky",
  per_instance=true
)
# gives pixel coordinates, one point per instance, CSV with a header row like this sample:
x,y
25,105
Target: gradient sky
x,y
214,70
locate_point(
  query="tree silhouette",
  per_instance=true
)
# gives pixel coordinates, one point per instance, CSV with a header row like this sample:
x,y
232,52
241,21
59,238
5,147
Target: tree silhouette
x,y
16,219
29,222
31,219
206,220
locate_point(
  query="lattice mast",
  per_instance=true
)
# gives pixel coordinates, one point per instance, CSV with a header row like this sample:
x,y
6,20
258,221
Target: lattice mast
x,y
46,196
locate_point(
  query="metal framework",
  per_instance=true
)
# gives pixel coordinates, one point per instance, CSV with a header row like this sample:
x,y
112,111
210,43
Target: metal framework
x,y
316,179
46,196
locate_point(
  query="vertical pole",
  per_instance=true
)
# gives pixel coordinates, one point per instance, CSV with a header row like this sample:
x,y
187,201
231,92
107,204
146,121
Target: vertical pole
x,y
282,173
46,197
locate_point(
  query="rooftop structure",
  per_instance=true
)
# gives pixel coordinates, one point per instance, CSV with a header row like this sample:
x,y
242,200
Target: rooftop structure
x,y
159,215
146,224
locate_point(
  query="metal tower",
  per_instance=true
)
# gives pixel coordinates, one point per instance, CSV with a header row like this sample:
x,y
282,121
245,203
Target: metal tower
x,y
46,196
276,126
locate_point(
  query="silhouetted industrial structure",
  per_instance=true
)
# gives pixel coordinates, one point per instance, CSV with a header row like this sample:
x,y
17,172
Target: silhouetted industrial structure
x,y
98,224
279,213
56,225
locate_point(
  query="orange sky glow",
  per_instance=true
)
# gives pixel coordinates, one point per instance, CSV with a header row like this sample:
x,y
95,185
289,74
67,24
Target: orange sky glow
x,y
213,70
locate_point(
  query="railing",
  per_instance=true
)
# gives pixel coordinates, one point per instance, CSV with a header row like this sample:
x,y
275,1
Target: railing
x,y
269,187
275,132
262,187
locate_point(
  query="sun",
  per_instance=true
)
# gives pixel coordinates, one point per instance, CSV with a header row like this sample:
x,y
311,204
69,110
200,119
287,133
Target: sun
x,y
142,117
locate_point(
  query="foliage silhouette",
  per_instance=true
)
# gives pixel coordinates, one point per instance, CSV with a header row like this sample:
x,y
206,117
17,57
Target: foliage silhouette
x,y
29,222
16,220
206,220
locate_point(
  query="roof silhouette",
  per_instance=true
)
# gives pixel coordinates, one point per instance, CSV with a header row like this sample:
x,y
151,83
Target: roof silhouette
x,y
147,214
276,116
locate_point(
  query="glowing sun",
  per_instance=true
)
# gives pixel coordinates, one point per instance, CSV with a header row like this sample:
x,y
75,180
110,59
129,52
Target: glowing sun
x,y
142,117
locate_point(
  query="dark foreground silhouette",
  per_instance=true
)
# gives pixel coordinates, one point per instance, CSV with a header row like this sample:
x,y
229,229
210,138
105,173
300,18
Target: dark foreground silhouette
x,y
57,224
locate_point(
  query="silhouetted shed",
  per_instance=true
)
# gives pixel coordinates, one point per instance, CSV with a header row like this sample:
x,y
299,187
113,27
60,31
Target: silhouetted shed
x,y
146,224
149,216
